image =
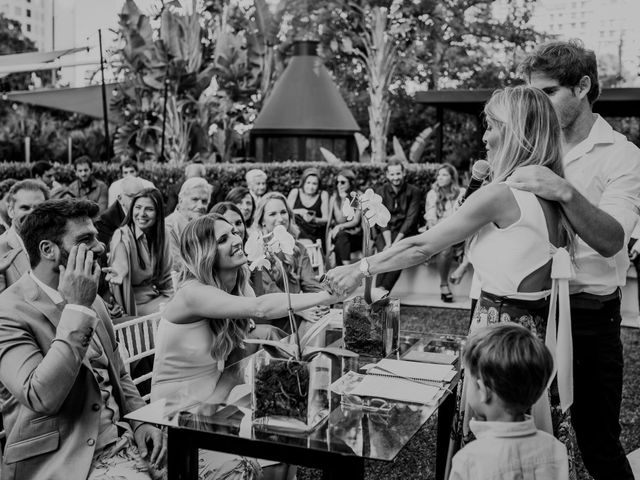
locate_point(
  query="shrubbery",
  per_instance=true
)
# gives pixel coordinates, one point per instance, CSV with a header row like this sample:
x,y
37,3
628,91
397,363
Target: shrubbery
x,y
224,176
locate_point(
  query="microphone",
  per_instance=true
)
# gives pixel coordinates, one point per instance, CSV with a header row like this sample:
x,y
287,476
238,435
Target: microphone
x,y
479,172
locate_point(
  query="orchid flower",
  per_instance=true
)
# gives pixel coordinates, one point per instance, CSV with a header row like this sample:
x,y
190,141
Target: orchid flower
x,y
372,208
260,247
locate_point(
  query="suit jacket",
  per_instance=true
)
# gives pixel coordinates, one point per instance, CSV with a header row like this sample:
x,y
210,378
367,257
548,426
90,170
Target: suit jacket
x,y
9,241
50,397
108,222
175,224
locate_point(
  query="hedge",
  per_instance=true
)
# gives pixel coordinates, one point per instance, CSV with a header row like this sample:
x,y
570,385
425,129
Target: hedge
x,y
282,177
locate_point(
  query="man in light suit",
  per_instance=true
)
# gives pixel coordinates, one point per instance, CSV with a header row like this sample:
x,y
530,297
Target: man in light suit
x,y
64,390
23,197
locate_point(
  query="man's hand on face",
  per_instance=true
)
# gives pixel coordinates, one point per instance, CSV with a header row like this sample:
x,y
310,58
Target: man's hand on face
x,y
78,283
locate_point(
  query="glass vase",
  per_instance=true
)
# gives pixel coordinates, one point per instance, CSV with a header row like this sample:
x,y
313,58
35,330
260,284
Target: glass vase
x,y
290,395
371,329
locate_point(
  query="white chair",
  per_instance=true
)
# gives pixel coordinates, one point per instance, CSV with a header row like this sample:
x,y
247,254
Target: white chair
x,y
136,340
315,252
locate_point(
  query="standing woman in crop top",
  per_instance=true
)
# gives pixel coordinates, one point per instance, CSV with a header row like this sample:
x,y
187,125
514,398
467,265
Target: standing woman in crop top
x,y
514,232
310,204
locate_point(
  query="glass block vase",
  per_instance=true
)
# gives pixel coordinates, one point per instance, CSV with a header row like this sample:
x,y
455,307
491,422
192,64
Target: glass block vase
x,y
290,395
371,330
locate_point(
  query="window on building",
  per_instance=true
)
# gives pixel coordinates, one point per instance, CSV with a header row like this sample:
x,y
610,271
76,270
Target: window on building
x,y
28,27
28,13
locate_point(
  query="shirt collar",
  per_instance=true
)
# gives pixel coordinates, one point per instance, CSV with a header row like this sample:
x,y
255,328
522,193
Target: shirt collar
x,y
503,429
137,232
54,295
601,133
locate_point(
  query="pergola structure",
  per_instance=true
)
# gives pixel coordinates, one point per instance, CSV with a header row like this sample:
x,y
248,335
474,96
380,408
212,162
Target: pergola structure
x,y
613,102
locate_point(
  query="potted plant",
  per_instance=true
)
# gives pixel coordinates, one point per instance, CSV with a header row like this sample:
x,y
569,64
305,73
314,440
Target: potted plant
x,y
370,328
290,382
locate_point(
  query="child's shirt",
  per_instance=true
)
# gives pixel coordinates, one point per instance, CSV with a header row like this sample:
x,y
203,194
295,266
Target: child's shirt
x,y
510,451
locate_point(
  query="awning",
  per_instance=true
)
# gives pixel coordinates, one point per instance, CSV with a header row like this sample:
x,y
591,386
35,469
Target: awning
x,y
85,100
613,102
36,57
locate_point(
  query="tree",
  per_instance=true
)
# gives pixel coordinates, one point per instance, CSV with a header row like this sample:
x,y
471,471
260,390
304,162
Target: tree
x,y
12,40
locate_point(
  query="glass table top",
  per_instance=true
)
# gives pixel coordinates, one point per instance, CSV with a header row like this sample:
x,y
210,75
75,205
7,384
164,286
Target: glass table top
x,y
350,429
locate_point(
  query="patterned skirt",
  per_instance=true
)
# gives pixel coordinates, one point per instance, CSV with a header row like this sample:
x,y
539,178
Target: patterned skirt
x,y
531,314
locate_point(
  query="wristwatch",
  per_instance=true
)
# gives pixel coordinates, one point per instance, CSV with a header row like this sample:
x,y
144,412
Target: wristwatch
x,y
364,267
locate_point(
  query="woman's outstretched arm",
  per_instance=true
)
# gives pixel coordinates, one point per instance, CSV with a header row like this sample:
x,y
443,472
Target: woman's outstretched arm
x,y
493,203
195,301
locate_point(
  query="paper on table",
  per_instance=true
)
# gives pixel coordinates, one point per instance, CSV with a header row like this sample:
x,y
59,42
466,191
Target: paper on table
x,y
393,388
415,370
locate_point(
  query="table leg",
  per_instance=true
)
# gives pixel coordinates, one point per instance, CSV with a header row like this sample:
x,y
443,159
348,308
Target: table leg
x,y
446,412
345,467
182,456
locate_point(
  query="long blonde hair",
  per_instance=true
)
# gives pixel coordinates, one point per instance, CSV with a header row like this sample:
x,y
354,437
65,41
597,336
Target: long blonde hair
x,y
530,134
447,194
258,216
199,252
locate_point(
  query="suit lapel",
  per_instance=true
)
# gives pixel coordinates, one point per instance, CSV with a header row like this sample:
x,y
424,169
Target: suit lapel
x,y
39,300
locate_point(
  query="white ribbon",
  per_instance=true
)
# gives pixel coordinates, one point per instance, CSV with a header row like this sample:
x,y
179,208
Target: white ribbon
x,y
558,339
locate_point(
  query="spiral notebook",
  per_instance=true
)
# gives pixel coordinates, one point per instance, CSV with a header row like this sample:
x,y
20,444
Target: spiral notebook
x,y
429,372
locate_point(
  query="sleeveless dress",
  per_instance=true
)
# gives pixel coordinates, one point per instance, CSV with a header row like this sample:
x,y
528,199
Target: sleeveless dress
x,y
502,258
184,370
312,231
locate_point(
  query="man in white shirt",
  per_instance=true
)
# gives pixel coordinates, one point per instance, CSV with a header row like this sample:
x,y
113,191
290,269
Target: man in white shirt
x,y
600,196
128,168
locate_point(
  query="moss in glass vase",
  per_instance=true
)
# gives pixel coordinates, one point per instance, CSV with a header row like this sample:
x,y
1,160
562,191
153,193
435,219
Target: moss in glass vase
x,y
282,389
371,329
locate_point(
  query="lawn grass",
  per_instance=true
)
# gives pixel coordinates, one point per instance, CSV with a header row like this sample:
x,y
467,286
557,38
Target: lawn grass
x,y
417,459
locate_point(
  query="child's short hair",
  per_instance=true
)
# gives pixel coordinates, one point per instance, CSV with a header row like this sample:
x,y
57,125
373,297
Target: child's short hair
x,y
511,361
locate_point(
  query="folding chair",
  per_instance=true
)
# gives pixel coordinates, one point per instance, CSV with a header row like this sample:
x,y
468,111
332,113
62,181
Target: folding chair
x,y
315,252
136,340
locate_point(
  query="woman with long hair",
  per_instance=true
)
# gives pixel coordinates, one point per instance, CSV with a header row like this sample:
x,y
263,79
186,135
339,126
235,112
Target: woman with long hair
x,y
242,198
310,204
208,317
140,260
273,210
233,215
514,233
440,203
344,236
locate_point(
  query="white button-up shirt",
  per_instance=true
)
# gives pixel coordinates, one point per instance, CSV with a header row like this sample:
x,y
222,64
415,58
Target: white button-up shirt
x,y
605,168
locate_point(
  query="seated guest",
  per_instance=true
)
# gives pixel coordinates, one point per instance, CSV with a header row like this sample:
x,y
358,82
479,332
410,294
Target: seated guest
x,y
344,236
86,185
112,218
310,204
507,369
140,263
242,198
273,210
233,215
193,202
128,168
23,197
208,317
45,172
256,183
65,391
5,221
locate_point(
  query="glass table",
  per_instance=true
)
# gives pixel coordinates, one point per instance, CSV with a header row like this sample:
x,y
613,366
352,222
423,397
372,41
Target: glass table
x,y
338,446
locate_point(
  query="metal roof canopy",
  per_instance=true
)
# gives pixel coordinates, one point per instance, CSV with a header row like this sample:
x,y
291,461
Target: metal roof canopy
x,y
613,102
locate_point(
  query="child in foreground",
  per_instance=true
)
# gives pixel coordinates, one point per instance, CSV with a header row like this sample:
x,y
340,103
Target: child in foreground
x,y
507,368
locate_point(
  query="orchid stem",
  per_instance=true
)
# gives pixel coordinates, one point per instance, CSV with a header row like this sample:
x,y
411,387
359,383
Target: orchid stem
x,y
292,320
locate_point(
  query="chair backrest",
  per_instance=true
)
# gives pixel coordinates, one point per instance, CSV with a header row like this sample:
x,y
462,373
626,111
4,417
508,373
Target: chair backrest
x,y
136,340
317,257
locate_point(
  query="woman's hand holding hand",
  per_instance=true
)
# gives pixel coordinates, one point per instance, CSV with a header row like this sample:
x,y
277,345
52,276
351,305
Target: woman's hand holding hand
x,y
313,314
344,280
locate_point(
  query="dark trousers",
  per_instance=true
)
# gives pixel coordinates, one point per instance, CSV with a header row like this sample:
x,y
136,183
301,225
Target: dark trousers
x,y
636,265
597,379
389,279
344,244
